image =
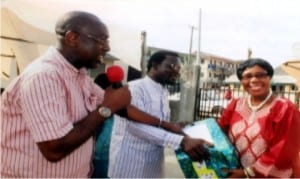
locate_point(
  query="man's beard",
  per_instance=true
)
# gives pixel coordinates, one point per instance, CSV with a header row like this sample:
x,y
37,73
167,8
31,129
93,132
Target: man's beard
x,y
170,82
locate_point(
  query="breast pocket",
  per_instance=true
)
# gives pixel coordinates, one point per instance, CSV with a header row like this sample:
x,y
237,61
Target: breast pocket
x,y
155,107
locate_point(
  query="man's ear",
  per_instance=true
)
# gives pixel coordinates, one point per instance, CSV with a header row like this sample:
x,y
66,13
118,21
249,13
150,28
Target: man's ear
x,y
155,65
71,38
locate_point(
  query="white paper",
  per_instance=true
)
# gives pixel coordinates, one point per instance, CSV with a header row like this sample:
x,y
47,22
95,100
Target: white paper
x,y
199,131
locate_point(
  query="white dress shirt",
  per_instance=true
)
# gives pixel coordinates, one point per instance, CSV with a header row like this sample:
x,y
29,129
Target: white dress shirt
x,y
136,149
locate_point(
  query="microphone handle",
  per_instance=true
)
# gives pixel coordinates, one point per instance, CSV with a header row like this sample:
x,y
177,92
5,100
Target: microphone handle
x,y
116,85
121,112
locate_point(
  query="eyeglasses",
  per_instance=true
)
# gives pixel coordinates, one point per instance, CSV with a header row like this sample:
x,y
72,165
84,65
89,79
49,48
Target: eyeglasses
x,y
99,40
258,76
173,67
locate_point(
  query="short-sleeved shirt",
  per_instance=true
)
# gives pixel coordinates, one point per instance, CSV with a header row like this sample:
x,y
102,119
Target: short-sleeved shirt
x,y
42,104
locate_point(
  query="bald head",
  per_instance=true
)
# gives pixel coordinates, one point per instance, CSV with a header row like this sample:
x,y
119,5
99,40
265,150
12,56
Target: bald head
x,y
83,38
77,21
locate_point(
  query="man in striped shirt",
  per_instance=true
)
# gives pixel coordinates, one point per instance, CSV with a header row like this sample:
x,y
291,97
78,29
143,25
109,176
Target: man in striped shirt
x,y
50,112
137,150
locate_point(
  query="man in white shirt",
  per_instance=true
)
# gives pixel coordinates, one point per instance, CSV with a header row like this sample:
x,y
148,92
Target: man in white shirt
x,y
137,150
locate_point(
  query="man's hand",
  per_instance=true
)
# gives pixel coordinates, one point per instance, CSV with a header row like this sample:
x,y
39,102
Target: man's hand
x,y
195,148
182,124
116,99
173,127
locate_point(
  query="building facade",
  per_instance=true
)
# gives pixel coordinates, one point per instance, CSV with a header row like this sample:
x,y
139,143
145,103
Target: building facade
x,y
213,68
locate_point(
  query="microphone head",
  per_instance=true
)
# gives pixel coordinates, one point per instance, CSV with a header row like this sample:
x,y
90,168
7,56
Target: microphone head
x,y
115,74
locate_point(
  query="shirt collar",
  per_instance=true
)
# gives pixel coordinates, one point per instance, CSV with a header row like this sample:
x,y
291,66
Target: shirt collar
x,y
154,83
61,60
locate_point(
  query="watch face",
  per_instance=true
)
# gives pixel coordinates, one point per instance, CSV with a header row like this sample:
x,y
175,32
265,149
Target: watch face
x,y
104,112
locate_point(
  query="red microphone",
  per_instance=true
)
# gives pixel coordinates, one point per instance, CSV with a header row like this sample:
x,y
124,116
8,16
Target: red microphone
x,y
115,75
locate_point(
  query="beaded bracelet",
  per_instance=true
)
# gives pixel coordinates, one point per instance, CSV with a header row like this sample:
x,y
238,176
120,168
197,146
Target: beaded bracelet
x,y
160,122
246,173
250,172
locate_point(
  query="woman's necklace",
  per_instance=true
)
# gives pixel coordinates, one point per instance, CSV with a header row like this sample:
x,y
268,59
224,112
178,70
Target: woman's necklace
x,y
256,108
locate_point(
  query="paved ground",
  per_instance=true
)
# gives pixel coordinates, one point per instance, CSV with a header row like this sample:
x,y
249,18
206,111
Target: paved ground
x,y
172,168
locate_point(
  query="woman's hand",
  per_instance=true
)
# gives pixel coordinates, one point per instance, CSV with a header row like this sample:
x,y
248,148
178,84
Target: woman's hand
x,y
236,173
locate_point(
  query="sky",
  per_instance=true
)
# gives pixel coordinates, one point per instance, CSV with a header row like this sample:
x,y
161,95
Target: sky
x,y
271,28
228,28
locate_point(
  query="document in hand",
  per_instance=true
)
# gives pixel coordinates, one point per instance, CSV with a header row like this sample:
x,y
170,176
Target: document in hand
x,y
223,156
198,130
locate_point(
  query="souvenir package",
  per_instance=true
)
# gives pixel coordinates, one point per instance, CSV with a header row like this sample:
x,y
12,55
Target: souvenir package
x,y
223,156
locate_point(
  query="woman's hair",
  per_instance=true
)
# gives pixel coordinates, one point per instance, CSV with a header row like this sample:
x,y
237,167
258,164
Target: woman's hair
x,y
251,63
159,57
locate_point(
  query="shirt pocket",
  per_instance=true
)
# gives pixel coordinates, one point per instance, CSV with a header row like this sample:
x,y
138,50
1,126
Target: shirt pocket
x,y
155,107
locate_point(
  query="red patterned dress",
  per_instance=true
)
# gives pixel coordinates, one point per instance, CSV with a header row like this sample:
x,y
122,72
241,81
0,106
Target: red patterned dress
x,y
268,140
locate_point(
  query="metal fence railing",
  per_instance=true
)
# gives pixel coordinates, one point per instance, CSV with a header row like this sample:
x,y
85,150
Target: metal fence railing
x,y
211,99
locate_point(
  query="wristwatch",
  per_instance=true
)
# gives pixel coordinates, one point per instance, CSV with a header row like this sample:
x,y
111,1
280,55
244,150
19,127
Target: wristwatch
x,y
104,112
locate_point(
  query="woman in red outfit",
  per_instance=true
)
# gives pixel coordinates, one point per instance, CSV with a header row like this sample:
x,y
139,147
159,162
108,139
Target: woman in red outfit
x,y
264,128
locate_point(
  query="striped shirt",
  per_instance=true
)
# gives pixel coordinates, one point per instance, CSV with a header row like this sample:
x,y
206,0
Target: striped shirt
x,y
42,104
137,150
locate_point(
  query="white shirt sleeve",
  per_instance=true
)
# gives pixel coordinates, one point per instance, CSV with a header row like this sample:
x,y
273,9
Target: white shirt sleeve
x,y
155,135
147,103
